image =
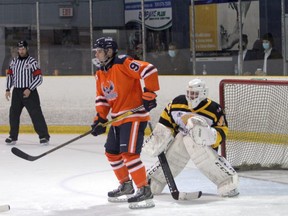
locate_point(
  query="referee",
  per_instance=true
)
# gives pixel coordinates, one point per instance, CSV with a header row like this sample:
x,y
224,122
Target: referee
x,y
25,76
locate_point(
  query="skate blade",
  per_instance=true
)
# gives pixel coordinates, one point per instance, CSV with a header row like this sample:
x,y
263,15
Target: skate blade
x,y
142,205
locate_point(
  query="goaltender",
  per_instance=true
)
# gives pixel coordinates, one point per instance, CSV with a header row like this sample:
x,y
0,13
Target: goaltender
x,y
192,126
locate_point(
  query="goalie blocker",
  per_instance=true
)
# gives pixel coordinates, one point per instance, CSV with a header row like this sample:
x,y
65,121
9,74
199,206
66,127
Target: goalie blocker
x,y
195,145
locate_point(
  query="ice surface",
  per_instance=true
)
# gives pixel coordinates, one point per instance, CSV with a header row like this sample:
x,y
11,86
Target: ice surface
x,y
74,181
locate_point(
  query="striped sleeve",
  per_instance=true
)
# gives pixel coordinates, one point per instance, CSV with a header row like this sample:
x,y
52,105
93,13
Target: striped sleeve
x,y
37,75
37,81
9,82
148,70
144,70
102,106
150,76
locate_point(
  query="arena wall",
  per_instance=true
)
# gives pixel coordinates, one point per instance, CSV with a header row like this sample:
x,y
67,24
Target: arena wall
x,y
68,102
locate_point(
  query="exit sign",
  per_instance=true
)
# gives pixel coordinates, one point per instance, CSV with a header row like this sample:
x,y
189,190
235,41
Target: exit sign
x,y
66,11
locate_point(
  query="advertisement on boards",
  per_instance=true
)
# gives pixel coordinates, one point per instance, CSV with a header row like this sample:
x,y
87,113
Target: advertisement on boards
x,y
157,13
217,24
157,19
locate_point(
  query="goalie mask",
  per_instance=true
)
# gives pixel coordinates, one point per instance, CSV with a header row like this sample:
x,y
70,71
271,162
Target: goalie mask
x,y
196,92
105,49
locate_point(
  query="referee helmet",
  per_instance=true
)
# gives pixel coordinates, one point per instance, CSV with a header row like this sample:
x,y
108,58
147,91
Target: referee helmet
x,y
22,43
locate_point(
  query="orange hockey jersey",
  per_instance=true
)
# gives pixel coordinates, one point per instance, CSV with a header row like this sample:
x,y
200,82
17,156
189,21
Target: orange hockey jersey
x,y
118,88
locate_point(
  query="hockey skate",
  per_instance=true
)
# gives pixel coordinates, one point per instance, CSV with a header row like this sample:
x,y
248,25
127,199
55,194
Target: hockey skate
x,y
232,193
142,199
10,141
122,193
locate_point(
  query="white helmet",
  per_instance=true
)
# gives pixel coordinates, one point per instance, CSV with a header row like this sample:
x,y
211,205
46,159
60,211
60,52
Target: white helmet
x,y
196,92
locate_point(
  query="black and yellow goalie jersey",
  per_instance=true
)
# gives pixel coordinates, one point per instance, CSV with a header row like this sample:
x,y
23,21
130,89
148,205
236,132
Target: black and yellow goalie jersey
x,y
212,112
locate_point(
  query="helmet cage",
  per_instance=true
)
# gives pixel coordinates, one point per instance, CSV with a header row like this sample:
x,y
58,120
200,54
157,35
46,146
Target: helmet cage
x,y
196,92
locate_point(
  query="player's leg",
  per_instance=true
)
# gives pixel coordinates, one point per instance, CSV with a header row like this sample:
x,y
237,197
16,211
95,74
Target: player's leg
x,y
112,152
14,115
32,104
131,140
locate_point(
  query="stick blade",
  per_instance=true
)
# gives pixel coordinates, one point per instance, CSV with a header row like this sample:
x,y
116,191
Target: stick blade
x,y
4,208
189,195
22,154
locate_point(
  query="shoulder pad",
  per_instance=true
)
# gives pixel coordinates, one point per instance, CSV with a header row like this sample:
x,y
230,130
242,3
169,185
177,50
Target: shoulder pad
x,y
216,107
120,59
181,99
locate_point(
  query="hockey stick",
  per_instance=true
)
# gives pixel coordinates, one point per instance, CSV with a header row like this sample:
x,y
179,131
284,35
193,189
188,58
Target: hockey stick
x,y
4,208
176,194
28,157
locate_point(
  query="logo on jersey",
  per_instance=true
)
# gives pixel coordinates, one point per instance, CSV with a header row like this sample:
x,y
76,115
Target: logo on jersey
x,y
26,66
108,89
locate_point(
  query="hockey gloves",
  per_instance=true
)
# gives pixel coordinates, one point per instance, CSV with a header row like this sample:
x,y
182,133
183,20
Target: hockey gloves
x,y
201,132
149,100
97,127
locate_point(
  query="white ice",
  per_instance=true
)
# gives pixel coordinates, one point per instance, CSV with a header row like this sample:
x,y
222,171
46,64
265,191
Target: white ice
x,y
74,181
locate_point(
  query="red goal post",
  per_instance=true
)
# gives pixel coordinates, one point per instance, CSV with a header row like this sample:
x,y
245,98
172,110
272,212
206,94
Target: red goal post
x,y
257,116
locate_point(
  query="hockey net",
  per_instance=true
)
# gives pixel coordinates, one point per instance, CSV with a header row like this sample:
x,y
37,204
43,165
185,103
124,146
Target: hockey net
x,y
257,116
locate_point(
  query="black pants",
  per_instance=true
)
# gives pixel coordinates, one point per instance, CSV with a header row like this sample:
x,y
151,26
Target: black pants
x,y
32,104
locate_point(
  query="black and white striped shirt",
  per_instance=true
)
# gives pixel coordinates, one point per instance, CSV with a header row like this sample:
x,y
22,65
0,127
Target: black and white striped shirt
x,y
24,73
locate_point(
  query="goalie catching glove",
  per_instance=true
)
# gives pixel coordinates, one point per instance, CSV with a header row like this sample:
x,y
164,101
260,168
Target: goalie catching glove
x,y
97,127
201,132
149,100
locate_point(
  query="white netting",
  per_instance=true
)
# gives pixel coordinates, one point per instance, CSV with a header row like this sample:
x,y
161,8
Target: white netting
x,y
257,116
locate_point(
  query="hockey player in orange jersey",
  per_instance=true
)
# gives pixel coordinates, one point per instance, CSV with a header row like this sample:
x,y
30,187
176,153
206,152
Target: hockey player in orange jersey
x,y
118,90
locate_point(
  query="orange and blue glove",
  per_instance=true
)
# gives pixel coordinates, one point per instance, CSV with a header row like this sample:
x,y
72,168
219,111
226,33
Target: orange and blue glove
x,y
97,128
149,100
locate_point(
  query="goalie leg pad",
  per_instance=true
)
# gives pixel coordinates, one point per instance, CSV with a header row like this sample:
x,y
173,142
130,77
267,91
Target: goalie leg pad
x,y
228,188
216,168
158,141
156,178
177,157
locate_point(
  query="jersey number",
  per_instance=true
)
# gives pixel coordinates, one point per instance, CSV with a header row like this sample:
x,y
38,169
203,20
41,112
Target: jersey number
x,y
134,66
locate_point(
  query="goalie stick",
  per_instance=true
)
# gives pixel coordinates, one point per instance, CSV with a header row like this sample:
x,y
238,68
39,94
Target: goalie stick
x,y
175,193
4,208
28,157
